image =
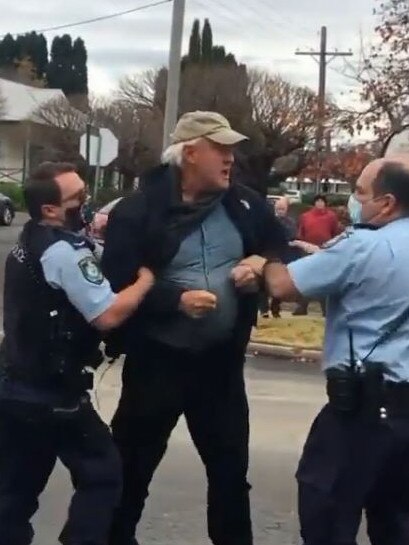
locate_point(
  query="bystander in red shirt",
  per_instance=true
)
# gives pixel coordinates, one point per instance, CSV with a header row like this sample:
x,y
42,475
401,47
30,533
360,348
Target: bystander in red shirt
x,y
318,225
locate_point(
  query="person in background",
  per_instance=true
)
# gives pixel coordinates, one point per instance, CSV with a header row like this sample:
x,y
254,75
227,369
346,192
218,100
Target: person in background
x,y
290,226
344,218
316,226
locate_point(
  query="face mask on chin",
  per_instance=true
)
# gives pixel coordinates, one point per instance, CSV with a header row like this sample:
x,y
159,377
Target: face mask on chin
x,y
356,215
355,210
74,219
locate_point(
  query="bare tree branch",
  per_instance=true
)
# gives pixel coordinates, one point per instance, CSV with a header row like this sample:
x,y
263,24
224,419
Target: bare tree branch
x,y
138,90
60,114
285,113
383,73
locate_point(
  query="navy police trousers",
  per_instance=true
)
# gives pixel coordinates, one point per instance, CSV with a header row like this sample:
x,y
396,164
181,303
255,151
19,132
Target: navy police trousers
x,y
31,440
350,465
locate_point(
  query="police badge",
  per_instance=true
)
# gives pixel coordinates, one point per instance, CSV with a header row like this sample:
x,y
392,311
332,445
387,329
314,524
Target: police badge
x,y
91,270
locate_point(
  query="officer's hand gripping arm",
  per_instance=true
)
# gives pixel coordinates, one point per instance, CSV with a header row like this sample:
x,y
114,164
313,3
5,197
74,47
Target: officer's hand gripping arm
x,y
126,302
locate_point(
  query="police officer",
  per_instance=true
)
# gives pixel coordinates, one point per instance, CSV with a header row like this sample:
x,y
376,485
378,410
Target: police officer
x,y
56,299
356,455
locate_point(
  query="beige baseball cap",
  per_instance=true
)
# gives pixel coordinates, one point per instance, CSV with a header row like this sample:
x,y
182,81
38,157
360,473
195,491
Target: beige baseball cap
x,y
209,125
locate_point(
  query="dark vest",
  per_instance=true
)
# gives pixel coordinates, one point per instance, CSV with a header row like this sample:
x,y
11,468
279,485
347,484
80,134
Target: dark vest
x,y
47,342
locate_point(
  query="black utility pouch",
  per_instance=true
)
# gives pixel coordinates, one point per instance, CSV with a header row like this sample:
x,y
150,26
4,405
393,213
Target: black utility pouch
x,y
344,390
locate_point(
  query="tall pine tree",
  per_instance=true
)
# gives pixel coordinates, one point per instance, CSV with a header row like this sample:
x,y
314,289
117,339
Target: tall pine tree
x,y
202,50
8,51
79,66
21,47
207,43
39,54
59,71
195,45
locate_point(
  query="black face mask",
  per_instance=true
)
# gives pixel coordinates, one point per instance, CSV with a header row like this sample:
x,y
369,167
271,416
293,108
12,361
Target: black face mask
x,y
74,219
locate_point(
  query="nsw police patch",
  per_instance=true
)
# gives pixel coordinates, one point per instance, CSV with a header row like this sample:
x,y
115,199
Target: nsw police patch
x,y
91,270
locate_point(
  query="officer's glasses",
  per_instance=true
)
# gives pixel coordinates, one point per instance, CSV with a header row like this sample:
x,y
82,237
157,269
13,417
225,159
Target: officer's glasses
x,y
80,196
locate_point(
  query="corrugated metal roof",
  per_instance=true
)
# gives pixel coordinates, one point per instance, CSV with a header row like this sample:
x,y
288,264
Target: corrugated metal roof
x,y
22,101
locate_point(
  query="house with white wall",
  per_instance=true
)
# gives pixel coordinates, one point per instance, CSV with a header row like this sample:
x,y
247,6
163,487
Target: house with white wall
x,y
19,126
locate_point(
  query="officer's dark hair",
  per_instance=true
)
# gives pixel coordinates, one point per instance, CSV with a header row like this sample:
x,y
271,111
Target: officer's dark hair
x,y
320,198
42,187
393,178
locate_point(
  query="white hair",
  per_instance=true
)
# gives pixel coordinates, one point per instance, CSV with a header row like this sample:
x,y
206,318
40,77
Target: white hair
x,y
173,155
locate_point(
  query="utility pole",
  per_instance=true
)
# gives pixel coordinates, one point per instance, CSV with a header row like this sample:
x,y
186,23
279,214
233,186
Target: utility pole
x,y
97,167
325,57
87,151
175,57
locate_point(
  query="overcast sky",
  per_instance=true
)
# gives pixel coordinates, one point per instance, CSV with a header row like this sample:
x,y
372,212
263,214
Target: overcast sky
x,y
265,35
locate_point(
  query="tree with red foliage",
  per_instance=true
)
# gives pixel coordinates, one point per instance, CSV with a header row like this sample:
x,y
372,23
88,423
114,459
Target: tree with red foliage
x,y
341,164
383,73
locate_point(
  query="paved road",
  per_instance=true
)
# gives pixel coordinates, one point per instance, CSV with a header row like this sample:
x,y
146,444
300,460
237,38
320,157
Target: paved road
x,y
283,402
8,236
283,398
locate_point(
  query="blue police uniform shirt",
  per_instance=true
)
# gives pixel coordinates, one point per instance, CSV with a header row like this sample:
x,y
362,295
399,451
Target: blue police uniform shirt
x,y
77,273
364,276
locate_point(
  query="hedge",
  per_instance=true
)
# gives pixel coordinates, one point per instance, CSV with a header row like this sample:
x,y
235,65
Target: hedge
x,y
334,199
15,192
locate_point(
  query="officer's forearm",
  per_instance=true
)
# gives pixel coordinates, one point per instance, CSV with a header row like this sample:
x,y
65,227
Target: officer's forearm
x,y
279,282
125,304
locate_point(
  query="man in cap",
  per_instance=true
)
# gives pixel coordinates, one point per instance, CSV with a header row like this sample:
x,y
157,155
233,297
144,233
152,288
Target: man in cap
x,y
185,351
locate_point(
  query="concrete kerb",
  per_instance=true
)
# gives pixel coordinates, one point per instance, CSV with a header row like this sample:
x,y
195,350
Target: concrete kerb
x,y
301,355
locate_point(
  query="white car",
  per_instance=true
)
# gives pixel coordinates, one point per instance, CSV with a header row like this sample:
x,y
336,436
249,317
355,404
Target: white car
x,y
293,195
271,199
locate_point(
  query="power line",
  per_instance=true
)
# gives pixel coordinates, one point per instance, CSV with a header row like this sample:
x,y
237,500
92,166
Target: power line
x,y
261,23
223,13
239,21
252,13
227,16
94,19
245,18
286,20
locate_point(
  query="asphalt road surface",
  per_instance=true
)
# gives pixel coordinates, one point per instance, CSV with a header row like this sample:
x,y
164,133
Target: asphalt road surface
x,y
8,236
283,402
284,397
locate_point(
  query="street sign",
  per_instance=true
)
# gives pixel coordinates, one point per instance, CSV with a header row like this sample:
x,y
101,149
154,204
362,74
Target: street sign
x,y
107,152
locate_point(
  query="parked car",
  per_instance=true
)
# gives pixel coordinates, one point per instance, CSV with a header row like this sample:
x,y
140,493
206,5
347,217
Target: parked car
x,y
294,195
98,225
7,210
271,199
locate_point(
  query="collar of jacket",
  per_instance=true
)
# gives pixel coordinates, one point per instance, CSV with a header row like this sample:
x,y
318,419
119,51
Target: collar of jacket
x,y
238,201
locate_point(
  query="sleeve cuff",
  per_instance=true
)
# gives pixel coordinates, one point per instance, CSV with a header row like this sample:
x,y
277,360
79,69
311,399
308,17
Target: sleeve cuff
x,y
100,308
